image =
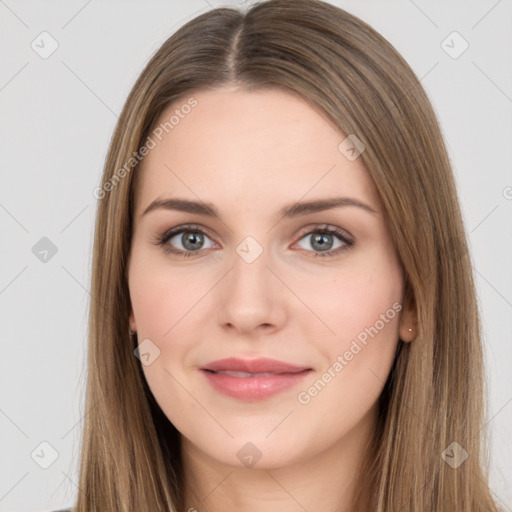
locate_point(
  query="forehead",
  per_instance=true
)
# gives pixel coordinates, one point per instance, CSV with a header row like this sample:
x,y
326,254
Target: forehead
x,y
261,147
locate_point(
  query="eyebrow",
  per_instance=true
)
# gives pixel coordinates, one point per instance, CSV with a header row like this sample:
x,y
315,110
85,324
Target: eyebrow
x,y
288,211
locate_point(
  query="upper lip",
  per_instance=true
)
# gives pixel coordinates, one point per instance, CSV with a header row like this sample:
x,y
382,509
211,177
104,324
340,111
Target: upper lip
x,y
261,365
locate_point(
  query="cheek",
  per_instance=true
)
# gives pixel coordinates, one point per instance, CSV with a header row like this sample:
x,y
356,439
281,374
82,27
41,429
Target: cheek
x,y
358,333
167,304
163,305
162,298
352,301
153,304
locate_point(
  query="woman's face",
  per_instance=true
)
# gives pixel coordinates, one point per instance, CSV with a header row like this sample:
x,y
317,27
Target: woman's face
x,y
252,282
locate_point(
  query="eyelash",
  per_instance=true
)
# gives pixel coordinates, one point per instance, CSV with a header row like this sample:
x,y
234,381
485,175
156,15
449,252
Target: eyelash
x,y
324,229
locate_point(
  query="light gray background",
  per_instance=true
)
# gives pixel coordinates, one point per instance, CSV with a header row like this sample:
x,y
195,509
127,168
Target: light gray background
x,y
57,118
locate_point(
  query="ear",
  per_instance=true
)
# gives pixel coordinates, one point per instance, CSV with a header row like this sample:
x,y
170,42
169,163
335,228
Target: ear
x,y
133,325
408,329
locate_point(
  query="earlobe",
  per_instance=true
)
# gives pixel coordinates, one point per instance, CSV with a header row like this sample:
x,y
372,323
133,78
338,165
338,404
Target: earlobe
x,y
408,326
408,320
407,334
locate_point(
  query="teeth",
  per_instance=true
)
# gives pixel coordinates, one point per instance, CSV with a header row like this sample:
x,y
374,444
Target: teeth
x,y
244,374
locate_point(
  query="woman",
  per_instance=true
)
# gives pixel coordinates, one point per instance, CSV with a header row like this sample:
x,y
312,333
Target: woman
x,y
283,314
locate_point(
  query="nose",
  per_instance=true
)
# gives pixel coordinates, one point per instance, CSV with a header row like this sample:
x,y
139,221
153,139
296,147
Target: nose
x,y
252,300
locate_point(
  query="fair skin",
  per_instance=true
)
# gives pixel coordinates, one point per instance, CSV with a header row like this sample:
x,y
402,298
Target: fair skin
x,y
250,154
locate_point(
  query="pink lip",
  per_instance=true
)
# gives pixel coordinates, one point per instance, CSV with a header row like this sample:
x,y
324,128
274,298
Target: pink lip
x,y
254,388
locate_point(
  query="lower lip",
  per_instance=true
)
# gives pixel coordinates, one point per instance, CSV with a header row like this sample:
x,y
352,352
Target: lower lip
x,y
254,388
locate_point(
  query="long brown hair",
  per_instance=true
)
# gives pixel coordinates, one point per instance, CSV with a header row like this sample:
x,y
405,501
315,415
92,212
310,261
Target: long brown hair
x,y
434,396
